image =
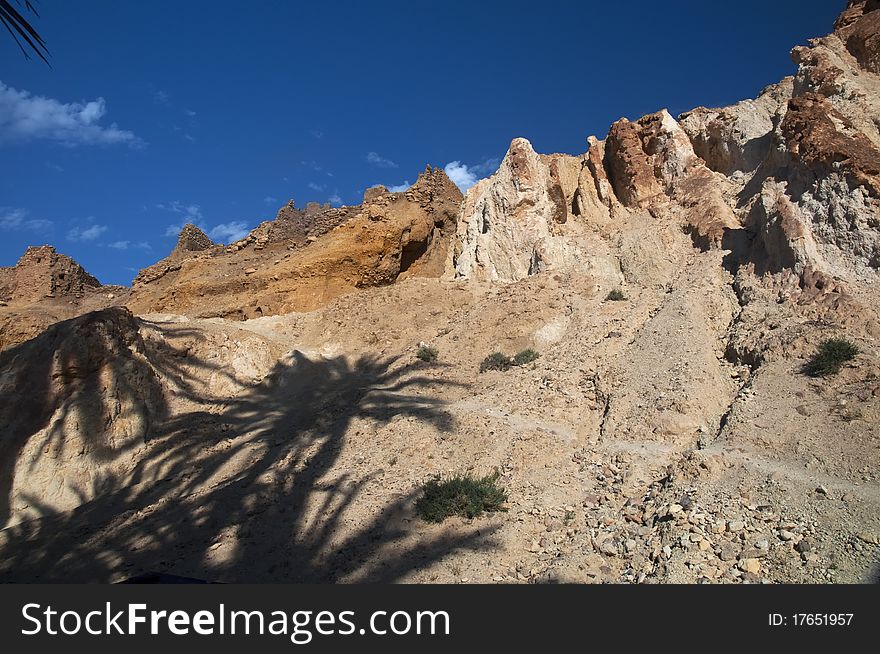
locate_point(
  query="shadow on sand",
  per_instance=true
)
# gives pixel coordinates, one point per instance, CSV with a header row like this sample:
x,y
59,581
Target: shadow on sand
x,y
247,491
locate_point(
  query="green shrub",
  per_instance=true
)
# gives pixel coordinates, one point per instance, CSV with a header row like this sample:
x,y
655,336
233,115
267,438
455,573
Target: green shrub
x,y
830,357
499,361
495,361
427,353
464,496
615,295
524,357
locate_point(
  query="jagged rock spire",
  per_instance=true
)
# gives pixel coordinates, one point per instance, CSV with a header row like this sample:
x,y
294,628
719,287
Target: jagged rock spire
x,y
192,239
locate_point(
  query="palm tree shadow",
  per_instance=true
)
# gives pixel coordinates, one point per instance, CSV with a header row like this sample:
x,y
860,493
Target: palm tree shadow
x,y
78,371
264,489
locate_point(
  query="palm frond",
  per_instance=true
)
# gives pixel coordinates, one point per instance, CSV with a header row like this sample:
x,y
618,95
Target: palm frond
x,y
21,30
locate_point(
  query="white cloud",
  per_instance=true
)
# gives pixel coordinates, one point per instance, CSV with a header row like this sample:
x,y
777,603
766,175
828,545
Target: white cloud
x,y
11,219
270,199
24,117
125,245
190,113
161,97
400,187
465,176
334,199
379,161
191,211
316,133
89,233
459,173
315,187
229,232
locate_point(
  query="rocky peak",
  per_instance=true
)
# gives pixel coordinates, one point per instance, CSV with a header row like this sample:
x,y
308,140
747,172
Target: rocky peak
x,y
192,239
855,9
434,184
288,211
859,29
374,192
646,158
191,242
523,162
736,140
510,222
293,227
314,209
629,167
41,272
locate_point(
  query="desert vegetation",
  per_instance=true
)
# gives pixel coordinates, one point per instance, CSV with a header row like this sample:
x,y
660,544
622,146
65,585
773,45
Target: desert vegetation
x,y
830,357
427,353
503,362
461,495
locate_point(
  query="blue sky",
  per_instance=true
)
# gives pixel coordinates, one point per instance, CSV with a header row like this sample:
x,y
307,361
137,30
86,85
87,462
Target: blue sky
x,y
158,113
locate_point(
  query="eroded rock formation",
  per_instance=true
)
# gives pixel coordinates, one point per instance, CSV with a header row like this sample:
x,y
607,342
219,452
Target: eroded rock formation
x,y
302,260
40,273
512,222
788,181
191,242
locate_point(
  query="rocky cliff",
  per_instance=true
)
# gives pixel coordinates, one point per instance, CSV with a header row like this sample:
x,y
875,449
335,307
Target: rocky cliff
x,y
302,260
786,185
263,410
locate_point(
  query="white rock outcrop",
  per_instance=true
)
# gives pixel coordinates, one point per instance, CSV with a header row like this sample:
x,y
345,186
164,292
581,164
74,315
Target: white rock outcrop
x,y
511,223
